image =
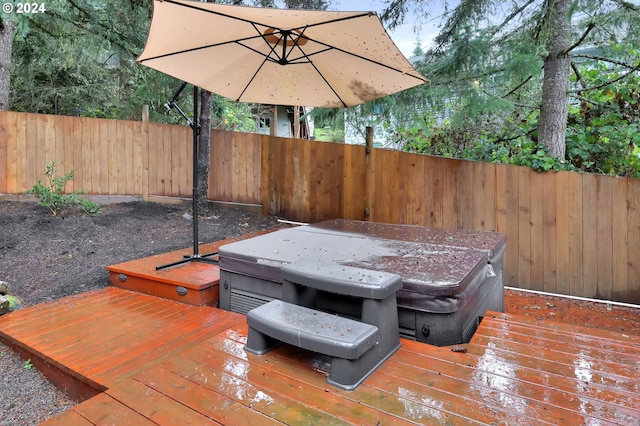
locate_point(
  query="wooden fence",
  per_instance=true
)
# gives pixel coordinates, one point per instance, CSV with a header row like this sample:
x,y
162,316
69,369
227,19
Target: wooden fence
x,y
567,233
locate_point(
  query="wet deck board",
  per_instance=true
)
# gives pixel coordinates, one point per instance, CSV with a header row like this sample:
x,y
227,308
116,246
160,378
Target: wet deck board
x,y
106,336
162,362
199,279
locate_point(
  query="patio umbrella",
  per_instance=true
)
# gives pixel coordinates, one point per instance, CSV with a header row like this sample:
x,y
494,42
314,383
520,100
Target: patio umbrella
x,y
274,56
277,56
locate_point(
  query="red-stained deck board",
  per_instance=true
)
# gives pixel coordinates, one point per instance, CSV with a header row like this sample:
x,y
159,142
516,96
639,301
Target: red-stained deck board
x,y
106,336
156,361
199,279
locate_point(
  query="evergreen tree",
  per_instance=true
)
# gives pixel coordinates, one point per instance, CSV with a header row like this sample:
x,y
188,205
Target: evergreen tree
x,y
504,64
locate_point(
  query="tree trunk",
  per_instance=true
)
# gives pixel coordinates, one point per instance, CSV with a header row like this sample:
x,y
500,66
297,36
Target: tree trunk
x,y
6,45
204,150
555,86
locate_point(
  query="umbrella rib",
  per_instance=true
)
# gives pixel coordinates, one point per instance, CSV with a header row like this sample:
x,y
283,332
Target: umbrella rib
x,y
255,24
193,49
252,78
364,58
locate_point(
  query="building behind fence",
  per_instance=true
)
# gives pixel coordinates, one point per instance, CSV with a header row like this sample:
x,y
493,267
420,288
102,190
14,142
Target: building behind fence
x,y
568,233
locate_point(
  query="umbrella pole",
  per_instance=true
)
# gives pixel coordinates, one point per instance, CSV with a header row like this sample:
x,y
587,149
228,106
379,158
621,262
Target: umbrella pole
x,y
196,256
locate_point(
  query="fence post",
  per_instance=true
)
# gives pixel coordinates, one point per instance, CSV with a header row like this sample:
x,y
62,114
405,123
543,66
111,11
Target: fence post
x,y
144,133
265,143
369,174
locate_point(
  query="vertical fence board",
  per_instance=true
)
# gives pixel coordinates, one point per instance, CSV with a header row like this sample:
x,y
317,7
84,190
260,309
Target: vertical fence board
x,y
440,192
67,139
605,241
238,168
256,171
427,206
167,160
562,228
21,154
156,148
175,159
115,152
465,191
536,231
239,162
120,159
450,198
524,228
401,211
576,205
501,189
278,176
336,154
82,132
633,234
512,254
48,155
224,175
37,158
31,148
94,156
549,228
132,159
353,195
143,140
389,186
489,199
302,174
15,137
620,246
265,173
8,153
590,192
374,173
104,157
57,132
411,194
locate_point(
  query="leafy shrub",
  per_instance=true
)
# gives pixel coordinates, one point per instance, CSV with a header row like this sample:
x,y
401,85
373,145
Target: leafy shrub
x,y
51,194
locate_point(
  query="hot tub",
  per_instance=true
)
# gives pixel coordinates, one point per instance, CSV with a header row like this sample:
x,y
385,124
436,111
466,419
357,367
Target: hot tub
x,y
450,277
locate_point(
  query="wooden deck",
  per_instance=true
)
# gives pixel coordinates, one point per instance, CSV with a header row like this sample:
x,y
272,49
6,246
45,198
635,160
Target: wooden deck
x,y
146,360
199,280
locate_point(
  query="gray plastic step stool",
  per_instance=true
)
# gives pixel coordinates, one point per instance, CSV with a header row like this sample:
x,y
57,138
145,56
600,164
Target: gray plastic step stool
x,y
356,346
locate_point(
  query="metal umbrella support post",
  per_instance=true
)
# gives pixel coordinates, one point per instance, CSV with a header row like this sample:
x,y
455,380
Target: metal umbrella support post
x,y
196,256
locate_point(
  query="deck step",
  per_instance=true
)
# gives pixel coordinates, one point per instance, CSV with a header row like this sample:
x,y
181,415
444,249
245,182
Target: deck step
x,y
310,329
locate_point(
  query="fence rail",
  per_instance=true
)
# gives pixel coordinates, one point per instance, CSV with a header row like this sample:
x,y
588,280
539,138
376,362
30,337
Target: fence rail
x,y
567,233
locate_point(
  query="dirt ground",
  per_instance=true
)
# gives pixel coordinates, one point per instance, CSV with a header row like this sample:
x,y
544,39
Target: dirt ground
x,y
44,258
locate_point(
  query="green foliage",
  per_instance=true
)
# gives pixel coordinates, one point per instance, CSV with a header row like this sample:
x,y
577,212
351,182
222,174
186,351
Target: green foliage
x,y
486,71
51,194
329,135
27,364
77,59
14,302
604,125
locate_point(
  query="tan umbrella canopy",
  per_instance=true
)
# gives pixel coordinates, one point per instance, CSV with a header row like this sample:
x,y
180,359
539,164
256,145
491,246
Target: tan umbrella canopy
x,y
277,56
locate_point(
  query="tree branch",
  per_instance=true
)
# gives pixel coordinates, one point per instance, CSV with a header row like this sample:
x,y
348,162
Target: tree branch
x,y
108,28
627,5
512,91
629,111
601,58
586,33
607,83
576,71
